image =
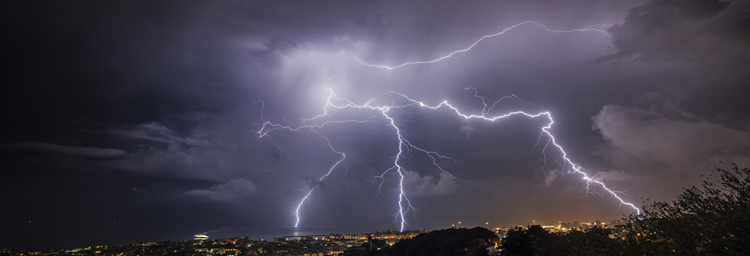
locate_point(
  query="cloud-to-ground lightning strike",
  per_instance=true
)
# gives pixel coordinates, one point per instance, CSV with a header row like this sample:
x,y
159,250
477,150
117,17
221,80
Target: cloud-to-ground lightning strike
x,y
592,28
343,157
404,204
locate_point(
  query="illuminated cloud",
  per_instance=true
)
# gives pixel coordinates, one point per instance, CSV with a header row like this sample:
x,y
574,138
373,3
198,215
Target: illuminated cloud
x,y
233,190
550,177
680,142
467,131
156,132
429,185
612,176
74,151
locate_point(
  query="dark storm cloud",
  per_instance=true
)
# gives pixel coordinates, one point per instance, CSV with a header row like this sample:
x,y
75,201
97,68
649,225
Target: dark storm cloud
x,y
650,136
676,130
159,105
158,90
694,31
133,62
667,136
660,141
156,132
86,152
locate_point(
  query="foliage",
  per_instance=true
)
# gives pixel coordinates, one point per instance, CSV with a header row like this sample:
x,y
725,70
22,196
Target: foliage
x,y
444,242
537,241
595,241
713,219
531,241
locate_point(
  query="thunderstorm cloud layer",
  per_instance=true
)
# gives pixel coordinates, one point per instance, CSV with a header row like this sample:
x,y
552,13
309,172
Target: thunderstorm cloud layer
x,y
159,120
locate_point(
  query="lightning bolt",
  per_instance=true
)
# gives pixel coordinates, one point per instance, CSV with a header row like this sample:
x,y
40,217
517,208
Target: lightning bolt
x,y
404,204
343,157
406,147
403,145
545,131
593,28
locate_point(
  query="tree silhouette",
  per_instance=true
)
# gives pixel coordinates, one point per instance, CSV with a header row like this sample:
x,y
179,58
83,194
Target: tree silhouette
x,y
532,241
447,242
713,219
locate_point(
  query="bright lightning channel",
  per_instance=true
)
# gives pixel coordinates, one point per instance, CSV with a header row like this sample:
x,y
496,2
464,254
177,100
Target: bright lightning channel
x,y
403,200
404,204
545,130
343,157
593,28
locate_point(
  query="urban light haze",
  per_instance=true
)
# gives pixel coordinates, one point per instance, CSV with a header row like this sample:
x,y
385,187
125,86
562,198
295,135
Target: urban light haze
x,y
129,121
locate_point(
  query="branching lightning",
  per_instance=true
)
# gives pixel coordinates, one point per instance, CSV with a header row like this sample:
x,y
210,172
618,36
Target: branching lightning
x,y
593,28
403,201
404,204
381,114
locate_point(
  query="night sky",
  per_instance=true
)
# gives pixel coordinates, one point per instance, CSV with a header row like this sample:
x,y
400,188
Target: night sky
x,y
128,121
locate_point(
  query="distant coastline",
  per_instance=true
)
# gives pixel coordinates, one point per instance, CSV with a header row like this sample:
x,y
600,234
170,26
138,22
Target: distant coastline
x,y
268,233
